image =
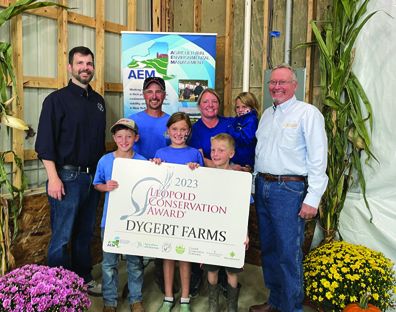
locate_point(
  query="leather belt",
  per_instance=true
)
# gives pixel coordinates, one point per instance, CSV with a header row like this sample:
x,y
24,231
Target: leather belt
x,y
84,169
283,178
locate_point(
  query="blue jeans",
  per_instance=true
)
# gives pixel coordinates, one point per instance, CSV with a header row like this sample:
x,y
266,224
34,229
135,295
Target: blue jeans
x,y
72,221
281,237
110,277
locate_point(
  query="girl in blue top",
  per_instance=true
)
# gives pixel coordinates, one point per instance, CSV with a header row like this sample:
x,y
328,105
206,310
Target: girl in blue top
x,y
243,129
178,152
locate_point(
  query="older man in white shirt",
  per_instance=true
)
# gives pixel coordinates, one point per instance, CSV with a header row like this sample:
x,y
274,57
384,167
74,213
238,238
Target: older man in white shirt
x,y
291,160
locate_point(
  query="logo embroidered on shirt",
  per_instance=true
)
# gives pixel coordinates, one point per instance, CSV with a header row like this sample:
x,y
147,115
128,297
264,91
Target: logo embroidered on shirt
x,y
292,125
100,107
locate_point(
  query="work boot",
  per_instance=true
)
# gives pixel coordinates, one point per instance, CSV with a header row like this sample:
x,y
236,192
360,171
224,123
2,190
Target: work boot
x,y
137,307
232,298
109,309
213,297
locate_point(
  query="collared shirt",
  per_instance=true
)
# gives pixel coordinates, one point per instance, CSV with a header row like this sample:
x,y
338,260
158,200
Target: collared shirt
x,y
72,126
291,140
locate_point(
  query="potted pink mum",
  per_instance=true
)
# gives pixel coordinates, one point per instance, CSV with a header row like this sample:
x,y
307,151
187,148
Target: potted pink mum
x,y
38,288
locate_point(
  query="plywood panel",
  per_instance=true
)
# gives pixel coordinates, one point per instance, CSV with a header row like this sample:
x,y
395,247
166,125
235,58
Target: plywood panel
x,y
183,15
257,44
277,52
213,17
299,32
237,45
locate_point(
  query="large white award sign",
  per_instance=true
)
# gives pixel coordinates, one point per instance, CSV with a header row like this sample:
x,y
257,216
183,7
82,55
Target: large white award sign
x,y
172,212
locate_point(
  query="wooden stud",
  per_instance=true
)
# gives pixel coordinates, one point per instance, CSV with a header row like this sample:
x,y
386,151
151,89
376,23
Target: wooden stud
x,y
17,135
114,87
265,48
131,15
163,22
228,58
197,15
167,16
43,82
62,46
99,53
49,12
114,27
78,19
156,13
308,54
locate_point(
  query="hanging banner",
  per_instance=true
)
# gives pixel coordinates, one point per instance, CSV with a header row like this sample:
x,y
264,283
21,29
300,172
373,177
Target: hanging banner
x,y
169,211
186,61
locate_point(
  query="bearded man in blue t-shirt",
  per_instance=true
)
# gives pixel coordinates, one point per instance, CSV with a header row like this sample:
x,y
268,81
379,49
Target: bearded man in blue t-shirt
x,y
152,121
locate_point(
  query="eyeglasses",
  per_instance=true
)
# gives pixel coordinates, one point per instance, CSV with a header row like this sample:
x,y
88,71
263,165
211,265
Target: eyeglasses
x,y
279,82
151,92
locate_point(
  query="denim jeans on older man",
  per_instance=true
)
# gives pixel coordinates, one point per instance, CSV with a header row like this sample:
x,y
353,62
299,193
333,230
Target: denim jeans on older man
x,y
72,221
281,238
110,277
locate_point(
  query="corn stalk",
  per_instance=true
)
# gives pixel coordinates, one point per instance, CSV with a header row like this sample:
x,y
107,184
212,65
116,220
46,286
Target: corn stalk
x,y
348,125
11,202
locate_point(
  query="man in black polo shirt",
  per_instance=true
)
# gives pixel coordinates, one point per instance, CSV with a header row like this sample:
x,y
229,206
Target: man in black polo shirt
x,y
70,141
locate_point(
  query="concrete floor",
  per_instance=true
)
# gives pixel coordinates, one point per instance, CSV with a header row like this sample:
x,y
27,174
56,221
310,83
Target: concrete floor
x,y
252,292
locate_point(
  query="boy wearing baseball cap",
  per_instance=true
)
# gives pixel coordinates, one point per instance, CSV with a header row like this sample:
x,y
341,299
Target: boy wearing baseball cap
x,y
125,134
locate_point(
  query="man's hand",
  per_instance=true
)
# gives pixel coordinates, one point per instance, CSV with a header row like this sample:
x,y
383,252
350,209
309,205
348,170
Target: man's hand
x,y
307,212
55,185
55,188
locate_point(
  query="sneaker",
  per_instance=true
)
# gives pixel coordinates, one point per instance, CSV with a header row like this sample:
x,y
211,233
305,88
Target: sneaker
x,y
137,307
185,307
109,309
195,284
166,306
94,288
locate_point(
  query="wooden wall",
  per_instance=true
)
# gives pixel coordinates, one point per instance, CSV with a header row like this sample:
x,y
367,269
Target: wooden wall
x,y
227,18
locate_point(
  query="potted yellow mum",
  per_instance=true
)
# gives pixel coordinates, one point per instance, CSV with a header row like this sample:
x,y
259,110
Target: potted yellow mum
x,y
339,273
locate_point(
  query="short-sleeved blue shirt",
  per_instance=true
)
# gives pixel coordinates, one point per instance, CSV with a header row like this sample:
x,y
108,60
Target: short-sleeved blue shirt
x,y
201,134
180,156
104,173
152,132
